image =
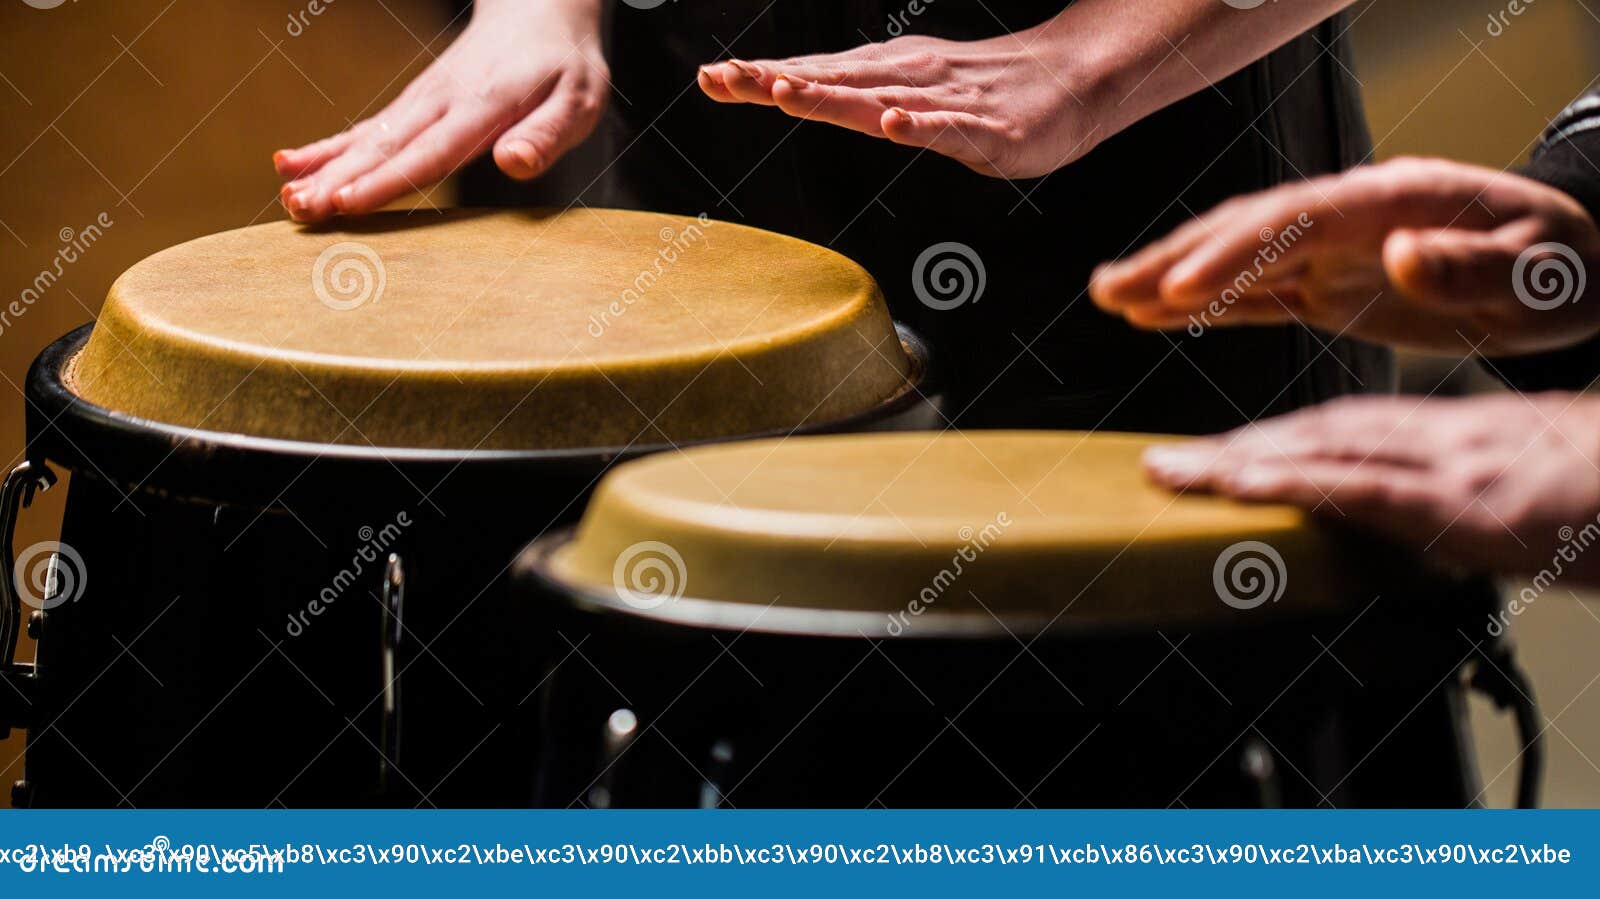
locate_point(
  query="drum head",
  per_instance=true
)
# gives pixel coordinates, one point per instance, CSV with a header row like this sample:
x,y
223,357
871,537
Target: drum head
x,y
930,533
494,330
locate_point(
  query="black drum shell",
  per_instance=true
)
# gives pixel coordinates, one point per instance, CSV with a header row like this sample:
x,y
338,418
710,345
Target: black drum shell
x,y
174,679
983,713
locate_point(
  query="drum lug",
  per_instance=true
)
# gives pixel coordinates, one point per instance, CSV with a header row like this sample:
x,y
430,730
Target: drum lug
x,y
22,794
621,727
717,775
16,702
391,631
1260,770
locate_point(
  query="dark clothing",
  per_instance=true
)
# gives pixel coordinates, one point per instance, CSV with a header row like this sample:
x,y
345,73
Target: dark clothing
x,y
1568,159
1033,351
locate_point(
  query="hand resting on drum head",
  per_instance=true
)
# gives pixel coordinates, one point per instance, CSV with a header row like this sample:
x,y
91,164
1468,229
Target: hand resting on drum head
x,y
526,79
1500,483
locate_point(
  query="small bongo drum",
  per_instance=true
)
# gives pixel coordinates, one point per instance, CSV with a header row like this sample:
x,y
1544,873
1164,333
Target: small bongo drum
x,y
303,460
984,619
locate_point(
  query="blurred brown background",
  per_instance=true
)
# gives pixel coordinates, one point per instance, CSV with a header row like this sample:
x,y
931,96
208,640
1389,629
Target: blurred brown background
x,y
162,114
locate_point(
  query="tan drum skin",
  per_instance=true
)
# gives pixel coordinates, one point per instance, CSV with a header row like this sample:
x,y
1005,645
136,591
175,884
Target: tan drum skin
x,y
500,329
1028,523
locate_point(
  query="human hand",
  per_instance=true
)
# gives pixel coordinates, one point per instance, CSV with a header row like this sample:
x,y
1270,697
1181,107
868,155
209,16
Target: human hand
x,y
1426,254
1002,106
524,78
1487,483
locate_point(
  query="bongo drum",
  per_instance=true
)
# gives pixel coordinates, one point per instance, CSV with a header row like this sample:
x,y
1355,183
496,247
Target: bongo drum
x,y
302,461
984,619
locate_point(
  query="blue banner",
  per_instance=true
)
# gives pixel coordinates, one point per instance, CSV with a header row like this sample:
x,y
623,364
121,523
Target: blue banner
x,y
1315,853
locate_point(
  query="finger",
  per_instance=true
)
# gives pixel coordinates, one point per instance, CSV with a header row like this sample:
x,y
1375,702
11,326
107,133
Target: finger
x,y
1268,236
1274,305
530,147
746,82
1392,430
1401,502
300,162
312,199
848,107
710,79
1351,214
1137,278
1450,268
959,135
428,159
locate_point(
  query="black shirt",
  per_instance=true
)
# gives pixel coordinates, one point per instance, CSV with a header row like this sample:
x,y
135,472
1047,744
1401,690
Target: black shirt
x,y
1567,158
1033,350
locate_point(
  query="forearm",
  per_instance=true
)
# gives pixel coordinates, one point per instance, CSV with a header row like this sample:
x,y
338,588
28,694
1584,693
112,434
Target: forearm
x,y
1133,59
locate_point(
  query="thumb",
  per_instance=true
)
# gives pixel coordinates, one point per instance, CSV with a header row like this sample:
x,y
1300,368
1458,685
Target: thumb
x,y
1450,267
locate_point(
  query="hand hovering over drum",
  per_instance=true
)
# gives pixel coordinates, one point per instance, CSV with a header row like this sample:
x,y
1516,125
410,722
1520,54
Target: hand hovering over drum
x,y
525,78
1426,254
1024,104
1492,483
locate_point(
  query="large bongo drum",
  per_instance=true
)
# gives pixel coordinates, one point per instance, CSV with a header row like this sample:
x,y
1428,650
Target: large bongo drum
x,y
302,462
986,619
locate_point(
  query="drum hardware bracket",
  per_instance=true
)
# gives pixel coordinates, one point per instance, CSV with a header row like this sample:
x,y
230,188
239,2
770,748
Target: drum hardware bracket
x,y
21,678
1500,678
